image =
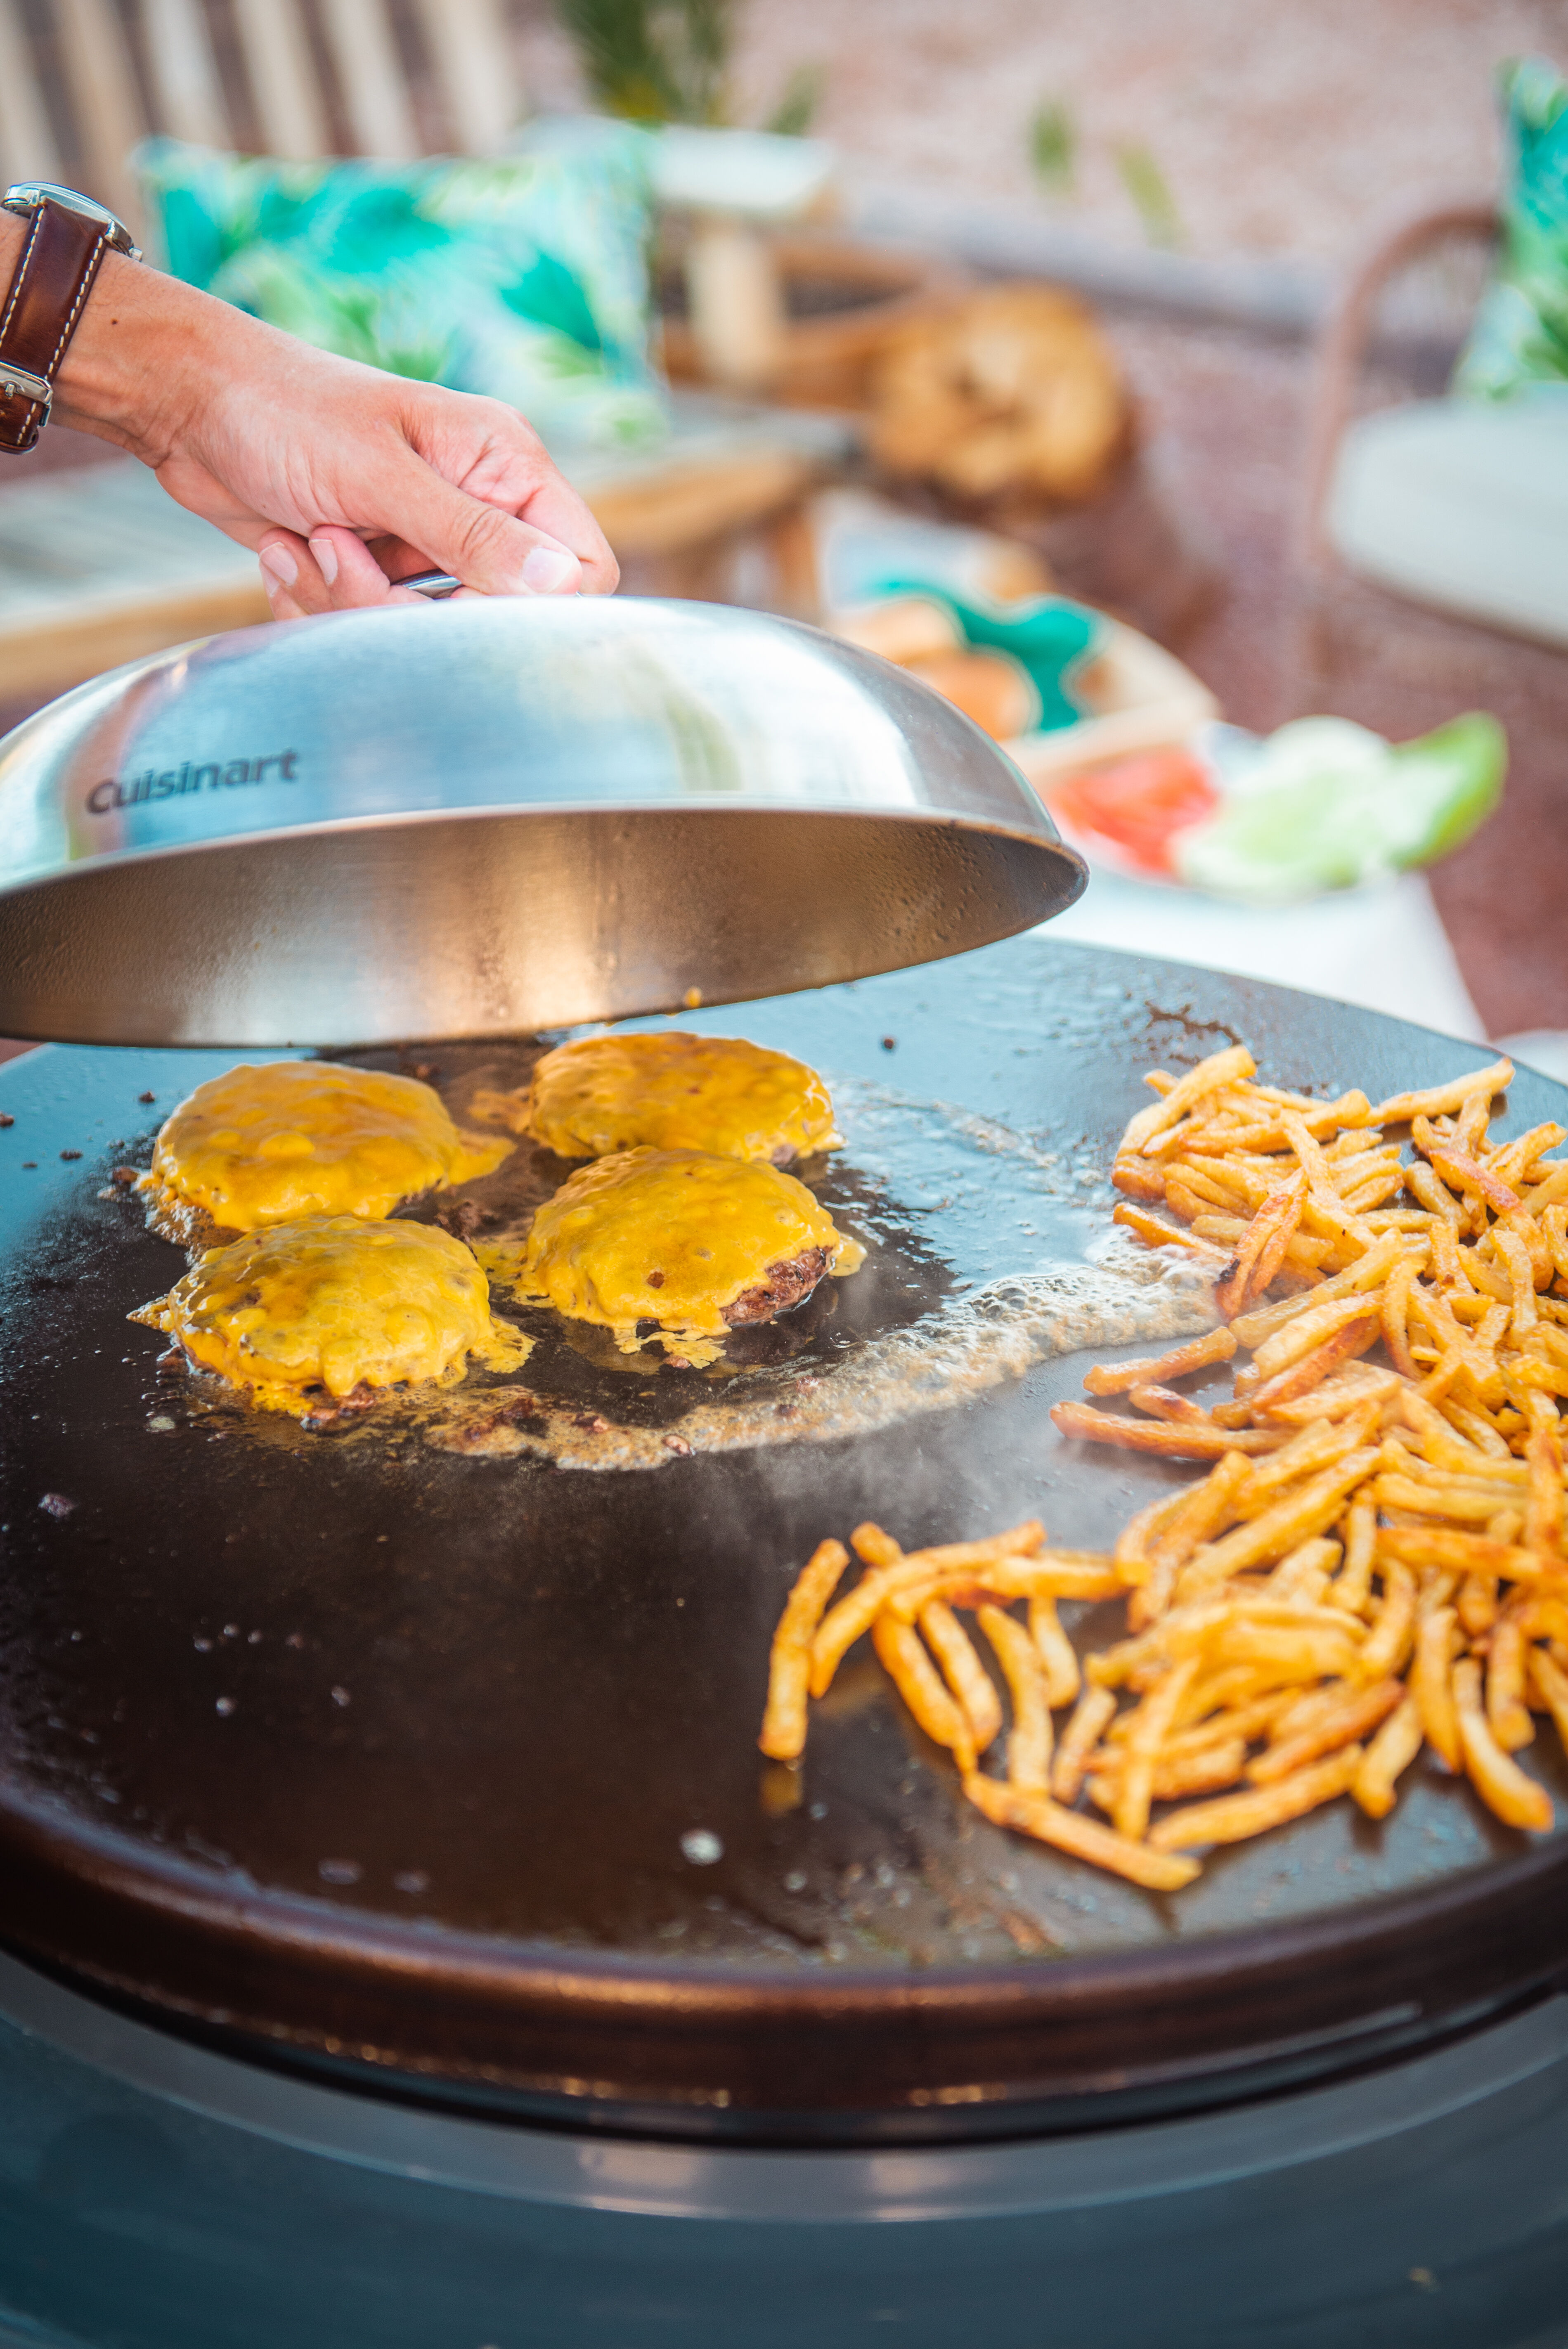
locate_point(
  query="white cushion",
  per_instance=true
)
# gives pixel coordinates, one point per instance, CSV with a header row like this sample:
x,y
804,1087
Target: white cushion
x,y
1462,504
755,174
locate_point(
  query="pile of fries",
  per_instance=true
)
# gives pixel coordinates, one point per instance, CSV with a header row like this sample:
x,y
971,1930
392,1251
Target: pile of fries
x,y
1373,1564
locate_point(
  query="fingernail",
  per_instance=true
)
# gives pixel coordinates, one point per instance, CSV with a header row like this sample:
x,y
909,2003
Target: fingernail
x,y
549,569
279,566
325,554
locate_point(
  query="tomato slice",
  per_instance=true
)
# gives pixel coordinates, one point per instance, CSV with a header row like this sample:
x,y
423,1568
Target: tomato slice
x,y
1138,804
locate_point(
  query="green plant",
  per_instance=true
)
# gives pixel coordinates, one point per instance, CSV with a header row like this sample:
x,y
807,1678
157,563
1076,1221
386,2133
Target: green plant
x,y
668,61
1151,192
797,110
653,60
1053,146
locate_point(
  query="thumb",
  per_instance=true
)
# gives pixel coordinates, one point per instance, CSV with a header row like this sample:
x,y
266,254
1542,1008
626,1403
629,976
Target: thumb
x,y
481,544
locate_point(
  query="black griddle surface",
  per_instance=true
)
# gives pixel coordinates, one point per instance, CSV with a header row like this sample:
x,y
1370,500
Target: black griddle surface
x,y
385,1757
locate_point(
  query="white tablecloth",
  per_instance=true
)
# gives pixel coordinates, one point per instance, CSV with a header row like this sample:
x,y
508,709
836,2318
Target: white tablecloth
x,y
1382,947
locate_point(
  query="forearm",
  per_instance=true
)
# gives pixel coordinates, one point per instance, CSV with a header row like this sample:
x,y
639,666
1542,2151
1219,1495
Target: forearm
x,y
276,441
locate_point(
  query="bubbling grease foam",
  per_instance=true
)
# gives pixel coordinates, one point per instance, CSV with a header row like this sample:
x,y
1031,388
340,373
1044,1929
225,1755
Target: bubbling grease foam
x,y
969,1344
1037,1269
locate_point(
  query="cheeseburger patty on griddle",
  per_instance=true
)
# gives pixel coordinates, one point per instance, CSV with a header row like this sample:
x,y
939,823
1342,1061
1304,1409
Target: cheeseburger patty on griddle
x,y
267,1146
688,1239
670,1091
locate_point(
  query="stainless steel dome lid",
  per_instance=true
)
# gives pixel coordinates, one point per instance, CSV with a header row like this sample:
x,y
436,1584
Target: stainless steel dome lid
x,y
489,817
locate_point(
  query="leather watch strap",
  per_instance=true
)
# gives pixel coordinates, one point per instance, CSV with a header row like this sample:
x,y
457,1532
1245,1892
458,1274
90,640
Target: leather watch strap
x,y
60,258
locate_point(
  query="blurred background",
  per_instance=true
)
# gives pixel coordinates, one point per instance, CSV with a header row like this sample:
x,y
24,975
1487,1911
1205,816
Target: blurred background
x,y
1149,378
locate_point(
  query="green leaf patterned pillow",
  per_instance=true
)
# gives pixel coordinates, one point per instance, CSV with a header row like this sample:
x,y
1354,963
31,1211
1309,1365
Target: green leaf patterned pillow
x,y
525,276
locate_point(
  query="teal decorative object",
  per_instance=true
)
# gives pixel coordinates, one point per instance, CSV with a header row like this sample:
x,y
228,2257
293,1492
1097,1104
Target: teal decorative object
x,y
1521,334
524,277
1046,635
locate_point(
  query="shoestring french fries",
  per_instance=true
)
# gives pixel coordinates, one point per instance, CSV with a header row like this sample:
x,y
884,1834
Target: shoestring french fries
x,y
1371,1564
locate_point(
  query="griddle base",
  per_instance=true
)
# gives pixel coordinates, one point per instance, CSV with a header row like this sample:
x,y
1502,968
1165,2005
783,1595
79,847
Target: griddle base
x,y
157,2196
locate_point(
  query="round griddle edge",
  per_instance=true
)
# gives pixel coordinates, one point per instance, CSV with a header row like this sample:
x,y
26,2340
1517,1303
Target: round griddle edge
x,y
890,2056
1344,1941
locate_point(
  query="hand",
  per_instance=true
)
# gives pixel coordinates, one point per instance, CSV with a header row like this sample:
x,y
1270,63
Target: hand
x,y
389,477
344,478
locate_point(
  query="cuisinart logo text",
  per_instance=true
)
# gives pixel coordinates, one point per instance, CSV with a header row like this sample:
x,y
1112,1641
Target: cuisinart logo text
x,y
136,791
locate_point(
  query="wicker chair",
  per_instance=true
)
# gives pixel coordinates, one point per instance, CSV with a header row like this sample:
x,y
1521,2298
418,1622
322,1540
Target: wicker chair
x,y
1368,644
1453,503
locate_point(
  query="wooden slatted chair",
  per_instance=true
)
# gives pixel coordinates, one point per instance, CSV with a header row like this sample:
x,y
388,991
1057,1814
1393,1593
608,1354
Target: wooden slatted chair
x,y
73,108
97,566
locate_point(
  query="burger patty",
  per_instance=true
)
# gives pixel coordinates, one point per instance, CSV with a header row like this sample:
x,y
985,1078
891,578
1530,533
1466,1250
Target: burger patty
x,y
786,1283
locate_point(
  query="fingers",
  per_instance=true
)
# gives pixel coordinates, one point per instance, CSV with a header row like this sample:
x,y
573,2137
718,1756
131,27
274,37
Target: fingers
x,y
487,548
490,452
334,570
476,530
457,484
555,508
280,555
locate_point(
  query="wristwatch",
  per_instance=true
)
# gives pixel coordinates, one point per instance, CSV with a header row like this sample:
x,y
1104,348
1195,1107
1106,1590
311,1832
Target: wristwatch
x,y
66,241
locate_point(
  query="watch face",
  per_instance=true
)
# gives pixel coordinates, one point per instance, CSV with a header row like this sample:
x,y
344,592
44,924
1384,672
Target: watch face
x,y
27,194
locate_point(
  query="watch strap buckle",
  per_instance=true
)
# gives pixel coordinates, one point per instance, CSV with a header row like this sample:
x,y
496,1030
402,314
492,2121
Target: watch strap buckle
x,y
21,383
25,402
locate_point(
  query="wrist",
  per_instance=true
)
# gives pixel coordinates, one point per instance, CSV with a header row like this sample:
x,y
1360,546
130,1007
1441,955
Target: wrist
x,y
129,375
128,372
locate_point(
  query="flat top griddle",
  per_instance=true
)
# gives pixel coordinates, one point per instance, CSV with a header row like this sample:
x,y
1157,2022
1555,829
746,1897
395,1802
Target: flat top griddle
x,y
414,1763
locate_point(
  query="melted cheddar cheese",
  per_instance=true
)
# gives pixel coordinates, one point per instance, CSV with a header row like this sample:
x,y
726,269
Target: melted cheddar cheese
x,y
267,1146
672,1237
332,1303
670,1091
